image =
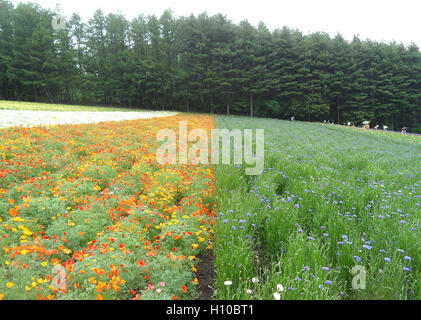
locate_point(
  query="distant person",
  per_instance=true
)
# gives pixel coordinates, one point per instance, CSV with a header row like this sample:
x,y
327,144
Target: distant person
x,y
404,129
292,118
349,123
324,121
376,127
328,121
385,128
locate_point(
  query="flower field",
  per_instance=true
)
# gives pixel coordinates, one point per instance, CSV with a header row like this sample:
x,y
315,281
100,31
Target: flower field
x,y
87,213
335,215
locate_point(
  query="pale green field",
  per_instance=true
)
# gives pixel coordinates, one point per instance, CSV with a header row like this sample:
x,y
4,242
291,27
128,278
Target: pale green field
x,y
34,106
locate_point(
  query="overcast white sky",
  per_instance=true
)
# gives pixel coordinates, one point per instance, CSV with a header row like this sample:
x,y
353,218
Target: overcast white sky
x,y
381,20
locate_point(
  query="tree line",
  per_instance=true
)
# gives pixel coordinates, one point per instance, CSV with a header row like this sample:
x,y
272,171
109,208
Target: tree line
x,y
206,64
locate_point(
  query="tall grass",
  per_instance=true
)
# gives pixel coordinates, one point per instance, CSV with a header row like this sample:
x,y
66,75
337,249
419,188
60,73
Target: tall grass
x,y
330,198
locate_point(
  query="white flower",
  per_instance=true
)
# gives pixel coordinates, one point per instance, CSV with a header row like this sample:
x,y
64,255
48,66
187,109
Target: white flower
x,y
228,283
280,287
249,291
277,296
254,280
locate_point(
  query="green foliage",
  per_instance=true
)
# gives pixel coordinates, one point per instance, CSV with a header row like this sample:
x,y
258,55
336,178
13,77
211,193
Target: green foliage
x,y
330,198
207,64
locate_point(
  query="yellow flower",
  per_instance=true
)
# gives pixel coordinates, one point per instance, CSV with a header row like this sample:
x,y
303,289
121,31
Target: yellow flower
x,y
1,296
27,288
10,284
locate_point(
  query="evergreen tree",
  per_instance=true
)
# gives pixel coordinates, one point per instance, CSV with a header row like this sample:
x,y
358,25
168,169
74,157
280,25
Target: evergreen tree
x,y
207,64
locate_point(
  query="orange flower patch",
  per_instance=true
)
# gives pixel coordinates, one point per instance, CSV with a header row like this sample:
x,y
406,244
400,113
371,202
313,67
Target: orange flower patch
x,y
90,214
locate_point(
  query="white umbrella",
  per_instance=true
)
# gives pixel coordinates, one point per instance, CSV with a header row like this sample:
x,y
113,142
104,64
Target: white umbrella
x,y
366,122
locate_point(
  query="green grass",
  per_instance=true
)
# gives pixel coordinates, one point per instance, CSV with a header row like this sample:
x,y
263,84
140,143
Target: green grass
x,y
35,106
330,198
